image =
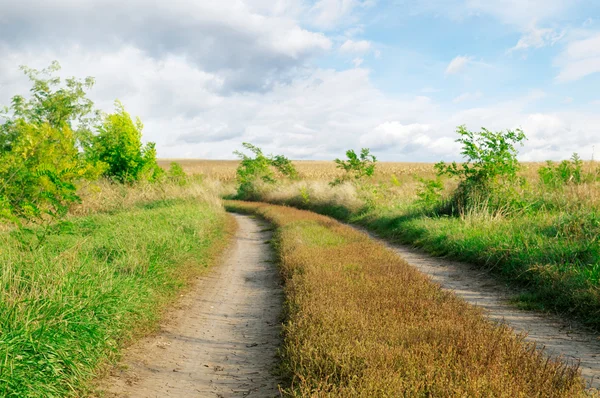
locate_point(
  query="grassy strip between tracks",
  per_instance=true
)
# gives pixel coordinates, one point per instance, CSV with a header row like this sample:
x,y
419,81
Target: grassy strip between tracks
x,y
361,322
69,305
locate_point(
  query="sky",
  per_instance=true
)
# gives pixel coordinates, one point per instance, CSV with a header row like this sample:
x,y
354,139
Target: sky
x,y
312,78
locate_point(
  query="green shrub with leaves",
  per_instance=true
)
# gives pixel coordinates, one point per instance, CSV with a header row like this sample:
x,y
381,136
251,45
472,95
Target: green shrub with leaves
x,y
260,168
177,175
488,177
39,139
356,166
430,191
566,172
118,145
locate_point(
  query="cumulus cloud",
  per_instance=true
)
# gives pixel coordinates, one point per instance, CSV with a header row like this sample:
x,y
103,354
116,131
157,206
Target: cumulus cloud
x,y
205,76
458,64
229,37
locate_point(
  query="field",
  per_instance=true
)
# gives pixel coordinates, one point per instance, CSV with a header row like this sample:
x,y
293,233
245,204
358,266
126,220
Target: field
x,y
549,245
313,170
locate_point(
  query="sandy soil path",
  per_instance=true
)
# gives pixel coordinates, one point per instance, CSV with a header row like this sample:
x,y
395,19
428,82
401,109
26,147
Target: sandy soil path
x,y
476,286
222,338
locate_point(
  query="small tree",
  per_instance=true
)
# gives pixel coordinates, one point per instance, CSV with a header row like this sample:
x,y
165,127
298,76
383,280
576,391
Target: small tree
x,y
260,168
491,166
356,166
118,145
39,157
177,175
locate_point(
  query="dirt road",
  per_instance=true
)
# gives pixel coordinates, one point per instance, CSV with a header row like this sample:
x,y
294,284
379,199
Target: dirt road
x,y
477,287
222,339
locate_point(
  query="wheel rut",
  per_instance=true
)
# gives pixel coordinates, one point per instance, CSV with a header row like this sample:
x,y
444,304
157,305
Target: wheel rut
x,y
222,339
558,336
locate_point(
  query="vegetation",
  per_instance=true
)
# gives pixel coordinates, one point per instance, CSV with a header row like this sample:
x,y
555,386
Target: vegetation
x,y
68,306
489,175
356,167
252,171
361,322
39,158
95,260
118,146
535,226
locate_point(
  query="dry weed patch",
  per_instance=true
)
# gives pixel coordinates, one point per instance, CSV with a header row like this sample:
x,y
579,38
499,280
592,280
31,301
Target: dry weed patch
x,y
362,322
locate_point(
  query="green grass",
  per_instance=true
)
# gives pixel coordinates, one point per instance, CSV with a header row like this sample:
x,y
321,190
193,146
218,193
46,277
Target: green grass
x,y
68,306
560,272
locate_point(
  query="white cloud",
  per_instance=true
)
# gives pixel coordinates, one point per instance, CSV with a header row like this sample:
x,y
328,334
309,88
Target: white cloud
x,y
458,64
580,59
327,14
535,37
356,47
357,62
467,97
518,12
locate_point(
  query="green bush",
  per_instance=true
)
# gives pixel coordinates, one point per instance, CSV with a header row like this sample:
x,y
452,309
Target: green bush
x,y
118,145
39,157
488,178
356,166
567,171
260,169
176,174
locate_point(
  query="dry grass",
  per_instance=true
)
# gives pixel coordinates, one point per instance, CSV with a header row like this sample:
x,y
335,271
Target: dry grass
x,y
362,322
102,195
224,170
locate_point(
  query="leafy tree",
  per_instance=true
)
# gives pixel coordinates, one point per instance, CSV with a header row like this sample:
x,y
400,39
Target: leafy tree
x,y
260,168
39,157
356,166
490,170
118,145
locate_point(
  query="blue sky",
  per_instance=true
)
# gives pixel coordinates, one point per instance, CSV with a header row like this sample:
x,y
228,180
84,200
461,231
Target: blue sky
x,y
312,78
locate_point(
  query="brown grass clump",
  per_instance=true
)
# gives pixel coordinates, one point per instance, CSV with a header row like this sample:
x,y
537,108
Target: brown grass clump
x,y
102,195
362,322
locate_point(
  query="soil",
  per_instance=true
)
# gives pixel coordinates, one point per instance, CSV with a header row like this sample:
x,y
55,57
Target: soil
x,y
222,339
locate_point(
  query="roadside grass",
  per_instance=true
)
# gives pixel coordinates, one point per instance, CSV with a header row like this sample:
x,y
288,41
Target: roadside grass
x,y
551,250
68,306
361,322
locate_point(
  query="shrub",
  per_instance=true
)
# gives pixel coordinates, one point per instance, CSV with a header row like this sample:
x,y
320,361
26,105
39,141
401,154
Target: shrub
x,y
260,168
356,166
118,145
39,157
488,177
176,174
430,191
568,171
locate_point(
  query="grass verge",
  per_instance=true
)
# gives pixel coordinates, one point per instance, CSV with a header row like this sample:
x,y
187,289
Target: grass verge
x,y
362,322
68,306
